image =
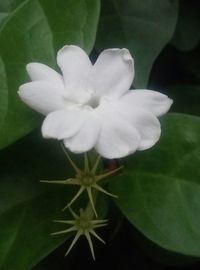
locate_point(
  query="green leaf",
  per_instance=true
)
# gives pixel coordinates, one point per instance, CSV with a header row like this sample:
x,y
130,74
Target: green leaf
x,y
159,191
186,98
144,27
28,206
6,7
187,35
190,63
32,31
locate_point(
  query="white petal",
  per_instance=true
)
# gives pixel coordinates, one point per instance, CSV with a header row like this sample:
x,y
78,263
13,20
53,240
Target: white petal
x,y
152,101
144,122
74,63
113,73
86,138
117,138
64,124
77,94
42,96
40,72
148,127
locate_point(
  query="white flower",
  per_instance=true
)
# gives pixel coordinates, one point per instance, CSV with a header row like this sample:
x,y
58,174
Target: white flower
x,y
91,106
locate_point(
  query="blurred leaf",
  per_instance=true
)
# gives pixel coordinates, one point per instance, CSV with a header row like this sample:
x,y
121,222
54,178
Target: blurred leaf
x,y
32,31
159,191
187,34
144,27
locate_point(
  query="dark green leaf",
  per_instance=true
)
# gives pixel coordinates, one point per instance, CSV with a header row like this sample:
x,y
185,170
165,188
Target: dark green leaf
x,y
32,31
190,63
144,27
6,7
28,206
186,98
159,191
187,34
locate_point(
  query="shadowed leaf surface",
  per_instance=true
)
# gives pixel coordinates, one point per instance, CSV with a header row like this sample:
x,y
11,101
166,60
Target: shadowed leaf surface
x,y
159,191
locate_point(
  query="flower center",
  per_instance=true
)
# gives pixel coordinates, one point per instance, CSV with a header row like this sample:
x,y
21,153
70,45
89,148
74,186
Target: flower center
x,y
94,102
77,95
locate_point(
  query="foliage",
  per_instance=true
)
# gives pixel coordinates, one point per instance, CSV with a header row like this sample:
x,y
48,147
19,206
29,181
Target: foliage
x,y
159,189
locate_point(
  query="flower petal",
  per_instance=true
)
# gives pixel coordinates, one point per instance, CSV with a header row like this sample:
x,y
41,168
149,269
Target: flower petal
x,y
86,137
148,127
152,101
144,122
74,63
40,72
112,74
64,123
42,96
77,94
117,138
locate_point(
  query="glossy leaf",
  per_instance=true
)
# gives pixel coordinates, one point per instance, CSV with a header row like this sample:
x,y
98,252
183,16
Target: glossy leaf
x,y
32,31
159,191
144,27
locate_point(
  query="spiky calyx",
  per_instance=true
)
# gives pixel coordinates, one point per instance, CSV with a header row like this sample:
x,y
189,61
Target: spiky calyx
x,y
87,179
84,225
